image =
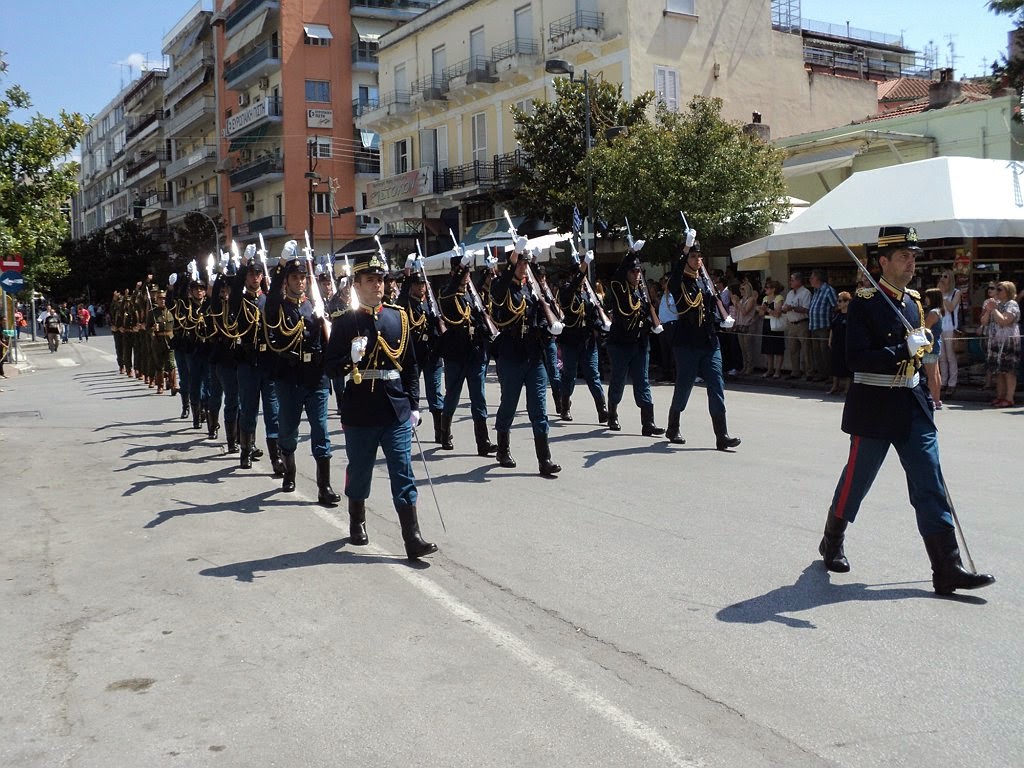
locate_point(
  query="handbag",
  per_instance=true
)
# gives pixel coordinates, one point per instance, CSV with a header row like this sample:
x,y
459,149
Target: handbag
x,y
777,323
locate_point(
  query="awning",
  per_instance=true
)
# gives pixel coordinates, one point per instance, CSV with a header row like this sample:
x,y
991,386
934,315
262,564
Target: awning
x,y
246,35
246,139
318,31
485,230
370,30
818,163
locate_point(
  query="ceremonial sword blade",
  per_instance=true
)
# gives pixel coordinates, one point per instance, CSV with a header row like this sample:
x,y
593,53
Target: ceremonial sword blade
x,y
430,480
874,284
959,528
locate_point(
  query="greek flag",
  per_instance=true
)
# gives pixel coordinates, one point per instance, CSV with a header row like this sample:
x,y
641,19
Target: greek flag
x,y
577,220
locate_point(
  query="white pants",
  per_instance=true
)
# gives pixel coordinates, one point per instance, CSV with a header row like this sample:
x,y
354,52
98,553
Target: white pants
x,y
947,359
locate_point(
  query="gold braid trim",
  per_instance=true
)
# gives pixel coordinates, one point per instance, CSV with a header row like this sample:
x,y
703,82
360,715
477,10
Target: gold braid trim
x,y
294,335
463,313
518,312
697,303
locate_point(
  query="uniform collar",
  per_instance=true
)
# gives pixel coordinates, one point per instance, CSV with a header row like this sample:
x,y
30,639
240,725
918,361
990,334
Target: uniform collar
x,y
372,311
889,288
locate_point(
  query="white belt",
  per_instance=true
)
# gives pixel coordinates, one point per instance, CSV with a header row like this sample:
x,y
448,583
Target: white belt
x,y
886,380
377,373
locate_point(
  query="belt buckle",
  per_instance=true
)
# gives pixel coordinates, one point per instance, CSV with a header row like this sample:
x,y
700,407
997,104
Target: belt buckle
x,y
307,357
263,348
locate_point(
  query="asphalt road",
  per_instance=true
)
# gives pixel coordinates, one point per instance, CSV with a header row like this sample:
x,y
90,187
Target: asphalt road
x,y
653,606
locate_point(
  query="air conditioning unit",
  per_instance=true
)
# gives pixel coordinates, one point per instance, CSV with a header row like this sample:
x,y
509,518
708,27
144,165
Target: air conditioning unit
x,y
264,83
248,197
245,155
243,99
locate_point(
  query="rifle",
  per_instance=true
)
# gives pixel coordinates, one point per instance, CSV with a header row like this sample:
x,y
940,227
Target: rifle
x,y
477,302
353,299
606,322
656,326
554,326
435,309
319,310
727,319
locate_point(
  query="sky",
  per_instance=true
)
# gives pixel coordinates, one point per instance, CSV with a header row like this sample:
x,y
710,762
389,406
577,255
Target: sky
x,y
76,54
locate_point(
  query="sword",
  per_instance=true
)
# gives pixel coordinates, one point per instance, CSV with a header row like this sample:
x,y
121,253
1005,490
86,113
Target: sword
x,y
874,284
430,480
959,529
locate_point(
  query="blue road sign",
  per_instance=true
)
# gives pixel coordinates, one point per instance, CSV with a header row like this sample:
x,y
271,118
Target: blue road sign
x,y
12,281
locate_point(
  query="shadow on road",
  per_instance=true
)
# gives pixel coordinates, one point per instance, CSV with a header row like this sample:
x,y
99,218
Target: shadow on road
x,y
813,590
215,477
247,506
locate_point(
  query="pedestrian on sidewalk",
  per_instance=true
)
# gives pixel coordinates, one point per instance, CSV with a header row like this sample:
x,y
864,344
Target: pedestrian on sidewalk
x,y
837,346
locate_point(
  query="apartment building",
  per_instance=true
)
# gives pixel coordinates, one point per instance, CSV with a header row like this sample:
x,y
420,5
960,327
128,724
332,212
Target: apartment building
x,y
103,199
449,77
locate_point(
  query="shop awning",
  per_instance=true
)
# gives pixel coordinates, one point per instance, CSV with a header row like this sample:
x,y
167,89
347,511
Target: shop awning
x,y
246,35
318,31
370,30
490,229
249,138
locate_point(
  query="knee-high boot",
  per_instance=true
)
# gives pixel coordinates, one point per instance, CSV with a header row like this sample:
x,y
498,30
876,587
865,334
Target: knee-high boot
x,y
602,409
185,410
505,450
548,468
438,416
722,440
231,431
276,463
446,433
197,415
415,546
212,424
484,446
288,483
831,547
648,427
325,494
948,572
672,433
613,417
245,454
357,522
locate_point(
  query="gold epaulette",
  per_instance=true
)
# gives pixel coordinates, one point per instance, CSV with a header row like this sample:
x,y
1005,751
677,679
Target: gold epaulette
x,y
865,293
912,293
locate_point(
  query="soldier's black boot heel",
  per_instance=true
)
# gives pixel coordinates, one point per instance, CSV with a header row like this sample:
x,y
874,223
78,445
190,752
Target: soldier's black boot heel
x,y
415,546
722,440
831,547
357,523
438,430
197,415
212,424
613,418
326,494
602,410
231,431
484,446
276,463
648,428
446,433
548,468
288,483
245,455
948,572
185,410
565,409
672,433
505,450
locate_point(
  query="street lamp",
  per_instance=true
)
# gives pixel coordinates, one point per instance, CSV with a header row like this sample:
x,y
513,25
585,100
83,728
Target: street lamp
x,y
563,67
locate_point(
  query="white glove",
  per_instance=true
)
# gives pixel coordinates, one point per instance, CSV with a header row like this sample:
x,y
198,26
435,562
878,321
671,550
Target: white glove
x,y
414,419
250,252
657,329
589,257
490,260
556,328
691,237
534,254
917,340
410,261
289,250
520,244
729,322
637,245
173,278
358,349
467,260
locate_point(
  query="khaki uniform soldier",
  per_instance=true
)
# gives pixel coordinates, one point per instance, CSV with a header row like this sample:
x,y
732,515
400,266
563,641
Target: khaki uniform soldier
x,y
161,334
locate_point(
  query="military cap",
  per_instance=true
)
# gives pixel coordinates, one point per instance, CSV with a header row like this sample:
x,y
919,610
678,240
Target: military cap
x,y
370,264
898,237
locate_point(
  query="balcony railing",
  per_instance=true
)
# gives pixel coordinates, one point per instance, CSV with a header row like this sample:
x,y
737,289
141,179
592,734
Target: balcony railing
x,y
851,62
144,159
200,57
471,174
520,46
182,164
254,227
245,10
254,170
251,60
431,87
361,106
182,118
505,164
196,204
593,20
364,53
140,124
397,5
475,69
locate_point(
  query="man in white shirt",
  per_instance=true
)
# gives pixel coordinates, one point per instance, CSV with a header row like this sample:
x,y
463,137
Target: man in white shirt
x,y
797,306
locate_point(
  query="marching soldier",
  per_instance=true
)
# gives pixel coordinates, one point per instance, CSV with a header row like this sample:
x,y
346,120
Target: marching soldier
x,y
161,328
116,306
172,301
425,332
579,342
189,320
519,356
550,346
296,335
372,348
629,346
222,345
888,404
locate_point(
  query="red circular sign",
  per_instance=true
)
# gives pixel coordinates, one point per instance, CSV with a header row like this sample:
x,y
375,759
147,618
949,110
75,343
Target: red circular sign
x,y
12,263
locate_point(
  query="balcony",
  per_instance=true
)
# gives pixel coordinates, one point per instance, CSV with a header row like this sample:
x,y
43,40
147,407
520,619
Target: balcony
x,y
186,117
391,108
268,226
202,203
396,10
144,164
190,65
257,172
245,11
364,56
264,111
155,202
190,162
147,82
139,125
471,71
429,88
505,166
259,62
361,106
579,27
512,56
475,174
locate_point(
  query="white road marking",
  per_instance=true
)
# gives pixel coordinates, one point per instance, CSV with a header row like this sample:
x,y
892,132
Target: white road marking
x,y
629,725
66,363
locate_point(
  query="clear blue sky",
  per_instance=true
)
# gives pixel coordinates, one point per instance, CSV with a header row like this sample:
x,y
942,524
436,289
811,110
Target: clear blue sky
x,y
74,54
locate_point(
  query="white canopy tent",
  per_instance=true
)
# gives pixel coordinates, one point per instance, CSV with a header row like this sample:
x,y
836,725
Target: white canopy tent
x,y
940,197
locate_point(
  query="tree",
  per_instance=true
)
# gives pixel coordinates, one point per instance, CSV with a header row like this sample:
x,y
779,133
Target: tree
x,y
36,184
552,138
729,183
194,238
1011,71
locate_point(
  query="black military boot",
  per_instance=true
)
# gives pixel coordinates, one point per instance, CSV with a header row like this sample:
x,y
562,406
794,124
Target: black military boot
x,y
831,547
648,428
602,410
288,483
231,431
185,410
357,523
505,450
197,415
548,468
275,457
672,433
255,452
212,424
565,409
722,440
484,446
326,494
446,433
245,454
438,417
613,418
415,546
948,572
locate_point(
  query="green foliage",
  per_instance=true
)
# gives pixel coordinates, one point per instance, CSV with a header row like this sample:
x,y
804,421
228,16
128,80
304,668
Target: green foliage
x,y
37,182
194,238
103,262
1009,72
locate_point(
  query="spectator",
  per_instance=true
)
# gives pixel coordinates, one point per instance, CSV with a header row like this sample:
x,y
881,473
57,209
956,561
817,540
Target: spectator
x,y
65,321
986,328
84,317
744,313
668,316
819,316
773,329
933,309
51,325
91,321
1004,354
732,358
796,308
950,325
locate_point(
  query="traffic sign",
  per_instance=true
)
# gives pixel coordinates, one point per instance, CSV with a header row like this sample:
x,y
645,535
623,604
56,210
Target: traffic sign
x,y
12,281
12,263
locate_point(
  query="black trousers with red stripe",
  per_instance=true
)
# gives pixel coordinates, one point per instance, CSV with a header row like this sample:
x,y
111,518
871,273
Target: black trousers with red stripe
x,y
919,455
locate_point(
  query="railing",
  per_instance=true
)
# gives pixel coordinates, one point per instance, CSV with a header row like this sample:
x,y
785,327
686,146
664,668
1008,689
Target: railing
x,y
144,159
368,164
398,5
364,52
204,105
824,57
519,46
244,10
850,33
182,164
431,86
474,64
197,204
256,226
251,60
257,168
505,164
580,20
362,106
477,172
198,58
140,124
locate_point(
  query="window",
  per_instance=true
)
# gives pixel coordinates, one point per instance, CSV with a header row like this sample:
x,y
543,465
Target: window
x,y
401,156
688,7
480,137
526,107
401,82
666,87
321,147
322,202
477,48
318,90
524,29
321,41
434,147
316,34
438,62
